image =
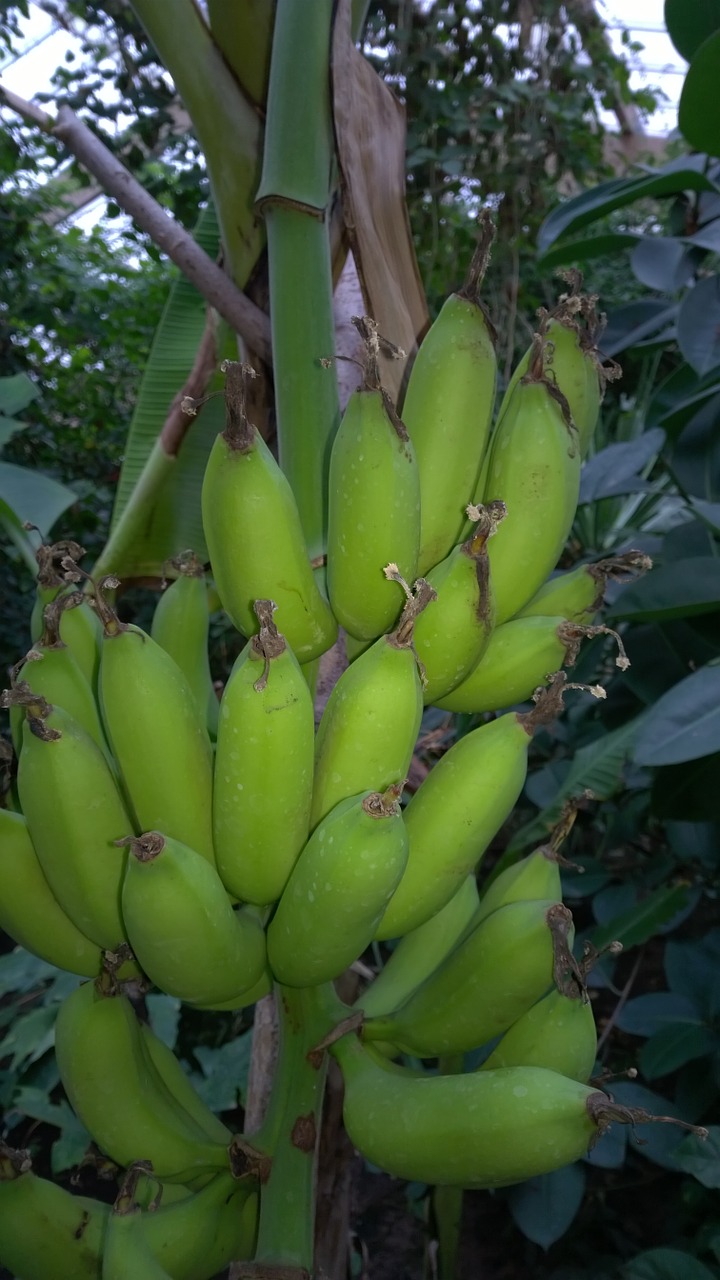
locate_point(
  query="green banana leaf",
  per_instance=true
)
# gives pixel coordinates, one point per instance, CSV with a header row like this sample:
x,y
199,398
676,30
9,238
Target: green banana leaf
x,y
174,521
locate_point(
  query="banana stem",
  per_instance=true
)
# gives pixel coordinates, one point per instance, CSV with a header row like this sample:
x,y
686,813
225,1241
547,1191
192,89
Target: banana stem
x,y
448,1201
291,1130
293,197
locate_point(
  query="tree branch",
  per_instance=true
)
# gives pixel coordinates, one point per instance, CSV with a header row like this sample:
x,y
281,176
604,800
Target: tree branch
x,y
210,280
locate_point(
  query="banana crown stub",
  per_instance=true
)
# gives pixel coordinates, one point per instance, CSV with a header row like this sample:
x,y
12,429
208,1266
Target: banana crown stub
x,y
57,563
384,804
13,1162
52,618
269,643
239,433
36,708
549,701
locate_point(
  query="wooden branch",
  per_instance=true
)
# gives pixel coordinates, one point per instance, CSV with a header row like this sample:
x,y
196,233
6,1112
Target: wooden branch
x,y
210,280
178,421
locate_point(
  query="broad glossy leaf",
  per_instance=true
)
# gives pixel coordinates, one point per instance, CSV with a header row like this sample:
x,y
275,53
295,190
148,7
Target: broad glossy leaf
x,y
701,1157
8,428
698,324
16,393
598,766
666,1264
544,1207
615,469
699,107
672,1046
641,921
675,590
646,1014
690,22
684,724
30,496
585,249
695,455
637,322
684,174
662,263
692,970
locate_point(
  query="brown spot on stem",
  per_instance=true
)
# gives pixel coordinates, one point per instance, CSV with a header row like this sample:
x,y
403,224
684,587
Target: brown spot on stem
x,y
304,1133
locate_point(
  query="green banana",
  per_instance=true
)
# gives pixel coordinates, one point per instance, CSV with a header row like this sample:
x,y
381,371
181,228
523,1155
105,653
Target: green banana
x,y
47,1233
126,1253
262,789
370,725
119,1096
181,625
44,1230
537,875
244,1000
492,977
447,409
338,890
157,732
453,633
486,1129
253,533
558,1033
30,912
176,1082
182,927
520,656
51,671
420,952
578,594
80,629
535,469
374,504
74,814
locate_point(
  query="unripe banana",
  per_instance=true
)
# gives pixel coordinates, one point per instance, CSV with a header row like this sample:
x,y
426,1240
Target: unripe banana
x,y
158,735
558,1033
182,927
80,629
181,625
535,469
245,999
47,1233
262,790
447,410
420,952
30,912
254,536
374,505
487,1129
537,875
453,633
491,978
119,1096
177,1084
44,1230
578,594
74,814
370,725
51,671
338,890
126,1253
520,656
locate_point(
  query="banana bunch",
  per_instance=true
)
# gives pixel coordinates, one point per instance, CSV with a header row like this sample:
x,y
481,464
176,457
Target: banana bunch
x,y
160,837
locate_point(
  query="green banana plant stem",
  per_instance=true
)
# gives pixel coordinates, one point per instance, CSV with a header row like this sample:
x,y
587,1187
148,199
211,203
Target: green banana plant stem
x,y
291,1128
293,197
130,527
447,1202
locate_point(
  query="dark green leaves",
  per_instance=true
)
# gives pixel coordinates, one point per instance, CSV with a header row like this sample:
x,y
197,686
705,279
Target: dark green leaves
x,y
677,590
685,723
699,107
690,22
544,1207
698,323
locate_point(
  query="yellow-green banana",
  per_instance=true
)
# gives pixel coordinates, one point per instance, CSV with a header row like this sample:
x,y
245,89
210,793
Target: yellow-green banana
x,y
578,594
29,910
181,624
244,1000
447,410
254,536
535,469
506,963
118,1094
486,1129
74,814
80,629
520,656
182,927
262,789
374,505
369,727
176,1082
126,1253
51,671
420,952
158,735
558,1033
454,631
338,890
537,875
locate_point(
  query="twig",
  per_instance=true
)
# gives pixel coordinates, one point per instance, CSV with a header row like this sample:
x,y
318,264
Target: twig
x,y
624,996
215,286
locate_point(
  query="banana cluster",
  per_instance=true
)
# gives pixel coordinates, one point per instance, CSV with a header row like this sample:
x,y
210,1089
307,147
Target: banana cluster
x,y
159,837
